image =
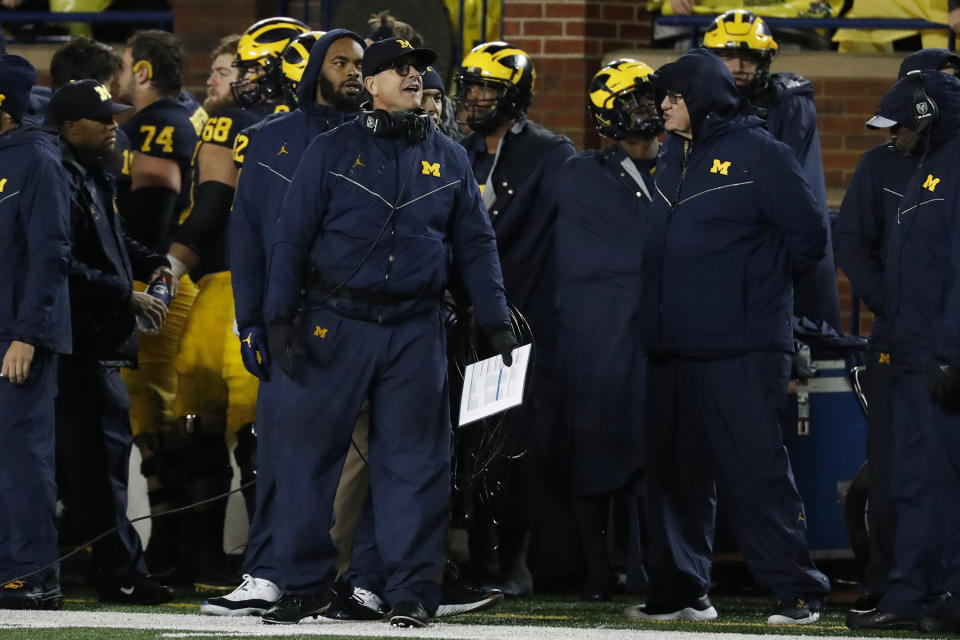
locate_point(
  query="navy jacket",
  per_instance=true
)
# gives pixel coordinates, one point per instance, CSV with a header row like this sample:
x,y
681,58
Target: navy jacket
x,y
868,213
34,241
269,153
792,119
923,258
600,231
382,215
732,219
103,265
521,207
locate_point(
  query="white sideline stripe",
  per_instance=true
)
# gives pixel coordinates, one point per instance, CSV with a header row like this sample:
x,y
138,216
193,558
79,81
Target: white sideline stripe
x,y
197,625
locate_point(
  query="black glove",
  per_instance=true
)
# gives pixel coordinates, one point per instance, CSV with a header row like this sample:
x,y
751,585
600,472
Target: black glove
x,y
286,345
502,341
943,380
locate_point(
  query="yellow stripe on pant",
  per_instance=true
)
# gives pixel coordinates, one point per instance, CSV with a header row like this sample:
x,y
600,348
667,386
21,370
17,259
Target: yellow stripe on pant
x,y
153,385
212,381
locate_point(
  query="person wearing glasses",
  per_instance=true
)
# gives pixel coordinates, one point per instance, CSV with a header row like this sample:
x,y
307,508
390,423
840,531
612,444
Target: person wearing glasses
x,y
731,222
378,213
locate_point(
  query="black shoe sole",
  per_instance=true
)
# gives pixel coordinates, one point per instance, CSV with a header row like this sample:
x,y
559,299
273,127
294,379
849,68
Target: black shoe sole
x,y
407,622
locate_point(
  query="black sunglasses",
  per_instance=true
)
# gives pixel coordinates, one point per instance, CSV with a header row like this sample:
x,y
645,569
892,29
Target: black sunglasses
x,y
403,67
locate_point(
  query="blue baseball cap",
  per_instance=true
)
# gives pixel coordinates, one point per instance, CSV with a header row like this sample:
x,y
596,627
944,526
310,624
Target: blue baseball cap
x,y
17,77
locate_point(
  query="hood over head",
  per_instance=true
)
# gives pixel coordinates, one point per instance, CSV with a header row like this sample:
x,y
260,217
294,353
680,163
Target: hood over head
x,y
307,90
707,86
927,60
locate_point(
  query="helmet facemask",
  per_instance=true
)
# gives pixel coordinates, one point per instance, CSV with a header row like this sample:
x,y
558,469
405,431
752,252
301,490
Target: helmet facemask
x,y
749,84
484,115
261,81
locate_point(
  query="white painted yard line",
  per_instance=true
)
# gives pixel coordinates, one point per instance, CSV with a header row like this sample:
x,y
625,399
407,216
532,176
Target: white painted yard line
x,y
194,625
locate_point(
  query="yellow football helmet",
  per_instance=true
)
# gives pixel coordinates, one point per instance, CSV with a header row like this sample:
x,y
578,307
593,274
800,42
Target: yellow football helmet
x,y
739,32
258,55
621,99
294,58
267,39
506,69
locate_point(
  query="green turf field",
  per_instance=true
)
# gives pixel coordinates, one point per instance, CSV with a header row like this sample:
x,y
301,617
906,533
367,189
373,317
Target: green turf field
x,y
739,615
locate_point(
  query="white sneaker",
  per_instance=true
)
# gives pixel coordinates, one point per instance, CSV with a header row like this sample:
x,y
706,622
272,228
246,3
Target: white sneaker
x,y
251,598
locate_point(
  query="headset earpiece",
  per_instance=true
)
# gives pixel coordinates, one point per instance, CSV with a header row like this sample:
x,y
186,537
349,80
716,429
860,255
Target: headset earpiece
x,y
413,125
924,111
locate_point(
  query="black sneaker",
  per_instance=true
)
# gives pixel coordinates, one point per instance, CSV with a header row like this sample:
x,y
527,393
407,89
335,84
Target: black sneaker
x,y
795,611
874,619
456,599
291,608
134,589
700,610
21,594
408,614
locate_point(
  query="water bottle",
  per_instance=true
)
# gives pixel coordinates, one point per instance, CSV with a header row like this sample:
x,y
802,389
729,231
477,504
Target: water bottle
x,y
159,289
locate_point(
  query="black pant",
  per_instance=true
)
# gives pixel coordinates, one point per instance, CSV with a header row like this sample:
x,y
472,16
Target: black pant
x,y
93,463
882,516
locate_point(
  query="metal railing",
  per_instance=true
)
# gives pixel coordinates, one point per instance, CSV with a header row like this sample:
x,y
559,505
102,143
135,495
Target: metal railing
x,y
283,9
163,19
696,23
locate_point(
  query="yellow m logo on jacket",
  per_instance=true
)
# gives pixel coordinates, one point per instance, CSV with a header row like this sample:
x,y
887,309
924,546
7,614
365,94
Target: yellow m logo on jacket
x,y
931,183
720,167
431,169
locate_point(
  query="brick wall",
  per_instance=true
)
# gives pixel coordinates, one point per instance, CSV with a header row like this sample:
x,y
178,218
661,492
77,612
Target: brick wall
x,y
567,40
843,105
199,24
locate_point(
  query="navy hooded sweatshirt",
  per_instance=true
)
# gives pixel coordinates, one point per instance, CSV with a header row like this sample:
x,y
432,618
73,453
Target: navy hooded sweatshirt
x,y
34,242
923,255
732,219
869,210
269,153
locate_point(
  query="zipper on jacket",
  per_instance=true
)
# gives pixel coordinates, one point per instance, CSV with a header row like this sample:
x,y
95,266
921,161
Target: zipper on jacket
x,y
687,149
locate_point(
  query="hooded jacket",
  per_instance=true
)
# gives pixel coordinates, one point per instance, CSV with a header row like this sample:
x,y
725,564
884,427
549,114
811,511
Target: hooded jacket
x,y
792,119
869,210
731,220
923,254
269,153
34,241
